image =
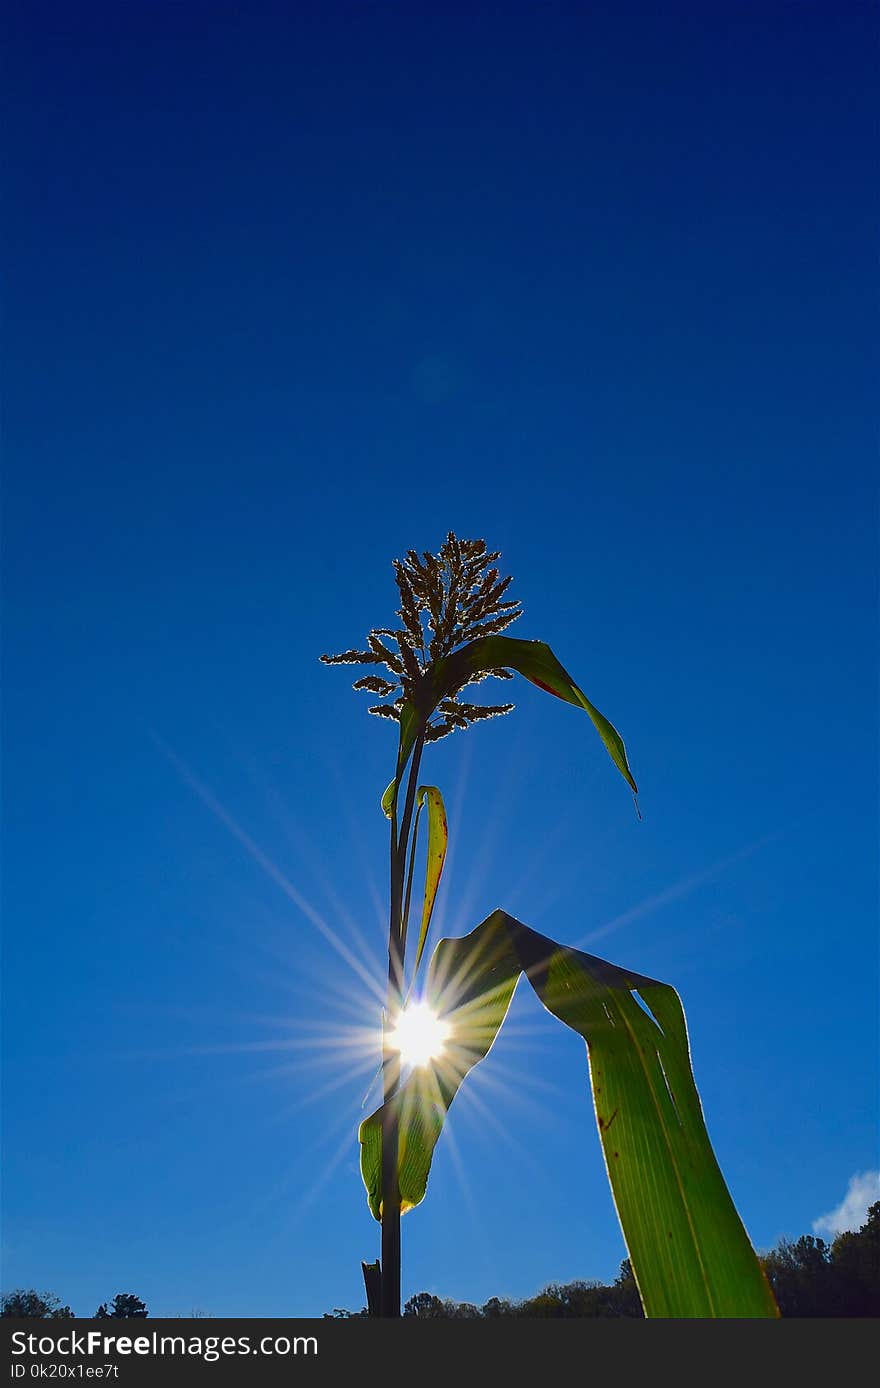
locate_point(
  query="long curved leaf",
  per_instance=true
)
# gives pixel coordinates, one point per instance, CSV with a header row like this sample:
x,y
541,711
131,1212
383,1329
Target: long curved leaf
x,y
690,1253
534,660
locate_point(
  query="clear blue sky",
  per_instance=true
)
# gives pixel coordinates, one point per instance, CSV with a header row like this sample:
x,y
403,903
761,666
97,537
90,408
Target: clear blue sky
x,y
290,289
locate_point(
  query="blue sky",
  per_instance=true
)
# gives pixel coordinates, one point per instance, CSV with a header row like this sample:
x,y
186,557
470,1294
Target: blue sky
x,y
293,289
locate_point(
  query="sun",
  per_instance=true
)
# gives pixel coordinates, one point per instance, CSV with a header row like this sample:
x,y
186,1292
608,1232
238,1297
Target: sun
x,y
419,1035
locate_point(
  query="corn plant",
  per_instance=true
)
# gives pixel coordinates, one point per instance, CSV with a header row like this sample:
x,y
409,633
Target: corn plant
x,y
690,1253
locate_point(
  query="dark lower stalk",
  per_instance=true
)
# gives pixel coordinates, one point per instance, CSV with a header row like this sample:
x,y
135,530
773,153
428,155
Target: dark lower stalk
x,y
373,1287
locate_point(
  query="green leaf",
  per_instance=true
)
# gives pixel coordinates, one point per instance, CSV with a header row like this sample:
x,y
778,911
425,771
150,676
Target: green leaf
x,y
690,1253
438,837
533,659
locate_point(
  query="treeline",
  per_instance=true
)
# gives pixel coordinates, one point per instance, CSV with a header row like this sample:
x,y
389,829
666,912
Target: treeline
x,y
31,1305
619,1298
809,1277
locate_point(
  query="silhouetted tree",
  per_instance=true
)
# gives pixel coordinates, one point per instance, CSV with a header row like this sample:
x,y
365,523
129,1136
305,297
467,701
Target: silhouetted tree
x,y
34,1305
462,1311
496,1307
810,1278
425,1306
856,1260
624,1296
552,1302
123,1307
801,1276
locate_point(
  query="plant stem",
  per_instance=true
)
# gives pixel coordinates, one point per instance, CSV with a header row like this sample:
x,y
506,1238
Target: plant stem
x,y
404,927
390,1298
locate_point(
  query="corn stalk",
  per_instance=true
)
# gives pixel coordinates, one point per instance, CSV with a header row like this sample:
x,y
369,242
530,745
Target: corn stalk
x,y
690,1253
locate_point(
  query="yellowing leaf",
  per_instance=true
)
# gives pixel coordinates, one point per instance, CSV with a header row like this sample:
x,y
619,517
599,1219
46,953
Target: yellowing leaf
x,y
388,797
438,837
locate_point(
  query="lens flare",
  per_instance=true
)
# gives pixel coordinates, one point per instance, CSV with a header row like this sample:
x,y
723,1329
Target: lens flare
x,y
419,1035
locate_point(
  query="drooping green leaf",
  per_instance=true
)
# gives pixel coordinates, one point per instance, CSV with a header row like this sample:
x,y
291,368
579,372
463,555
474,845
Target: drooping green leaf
x,y
690,1253
438,837
533,659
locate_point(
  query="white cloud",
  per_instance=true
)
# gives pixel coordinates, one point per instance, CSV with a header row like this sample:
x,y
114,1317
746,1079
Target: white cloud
x,y
862,1191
